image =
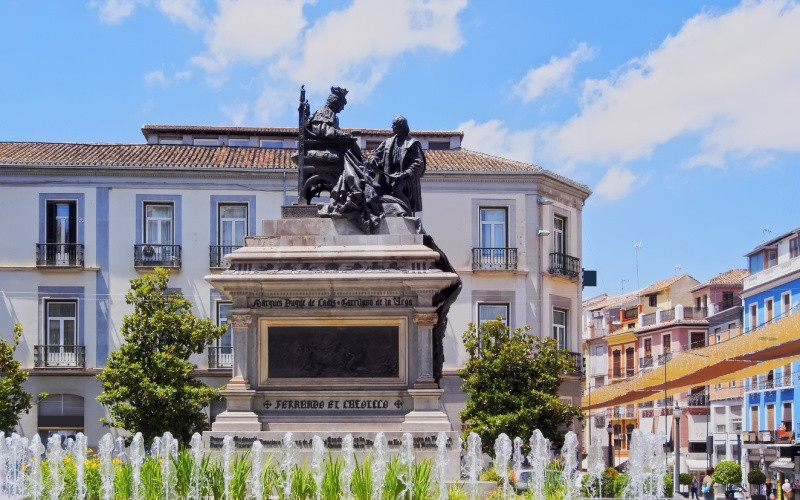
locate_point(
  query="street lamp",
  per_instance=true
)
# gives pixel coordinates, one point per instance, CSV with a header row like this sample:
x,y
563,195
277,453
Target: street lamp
x,y
677,413
610,449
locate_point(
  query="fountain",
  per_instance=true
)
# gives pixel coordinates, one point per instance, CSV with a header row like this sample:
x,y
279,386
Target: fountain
x,y
18,454
502,455
473,463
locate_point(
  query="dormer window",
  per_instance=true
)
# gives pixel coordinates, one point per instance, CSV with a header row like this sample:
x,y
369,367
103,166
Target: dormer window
x,y
270,144
200,141
438,145
239,142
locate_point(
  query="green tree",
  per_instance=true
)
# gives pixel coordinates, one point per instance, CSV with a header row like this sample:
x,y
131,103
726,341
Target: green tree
x,y
512,381
13,398
727,472
147,383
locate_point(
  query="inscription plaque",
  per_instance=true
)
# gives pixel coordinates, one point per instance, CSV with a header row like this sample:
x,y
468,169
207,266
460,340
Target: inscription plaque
x,y
346,351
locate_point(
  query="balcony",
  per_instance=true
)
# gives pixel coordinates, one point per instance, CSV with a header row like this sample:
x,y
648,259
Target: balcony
x,y
494,259
664,358
646,404
59,255
630,372
649,319
576,363
630,313
724,305
565,265
784,268
217,255
220,357
646,362
698,399
59,356
148,255
661,402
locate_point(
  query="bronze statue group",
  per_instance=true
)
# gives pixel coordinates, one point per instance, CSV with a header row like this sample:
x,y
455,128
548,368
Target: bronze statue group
x,y
387,182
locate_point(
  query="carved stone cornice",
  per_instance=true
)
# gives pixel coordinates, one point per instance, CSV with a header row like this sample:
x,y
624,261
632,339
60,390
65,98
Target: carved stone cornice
x,y
428,320
240,320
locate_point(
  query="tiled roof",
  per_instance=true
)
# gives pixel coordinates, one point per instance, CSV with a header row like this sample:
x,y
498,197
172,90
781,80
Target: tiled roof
x,y
180,156
730,277
613,301
663,284
279,131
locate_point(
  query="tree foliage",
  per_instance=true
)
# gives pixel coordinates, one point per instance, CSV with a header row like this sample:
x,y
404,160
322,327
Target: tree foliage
x,y
755,476
512,381
727,472
147,383
13,399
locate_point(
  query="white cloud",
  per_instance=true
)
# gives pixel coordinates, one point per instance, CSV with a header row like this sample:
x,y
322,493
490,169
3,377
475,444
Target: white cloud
x,y
157,78
113,11
495,138
186,12
236,113
252,31
617,183
730,78
354,47
556,74
274,102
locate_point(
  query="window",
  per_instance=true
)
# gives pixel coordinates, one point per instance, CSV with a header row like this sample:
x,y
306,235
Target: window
x,y
786,303
652,300
60,414
770,420
170,140
616,357
560,327
770,258
630,363
206,142
490,312
438,145
559,234
727,300
697,340
648,347
158,224
786,417
754,418
221,356
794,247
232,225
756,262
768,311
238,142
60,337
733,383
493,228
270,144
753,316
61,232
666,343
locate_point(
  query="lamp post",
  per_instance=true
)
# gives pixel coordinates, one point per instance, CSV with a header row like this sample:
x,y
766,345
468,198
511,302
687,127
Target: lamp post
x,y
610,448
677,413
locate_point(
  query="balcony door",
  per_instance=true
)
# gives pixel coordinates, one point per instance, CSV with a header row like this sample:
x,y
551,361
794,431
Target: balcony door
x,y
61,229
224,344
232,225
61,338
158,232
559,235
494,231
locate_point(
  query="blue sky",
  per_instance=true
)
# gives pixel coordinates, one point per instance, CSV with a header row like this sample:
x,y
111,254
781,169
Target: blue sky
x,y
682,116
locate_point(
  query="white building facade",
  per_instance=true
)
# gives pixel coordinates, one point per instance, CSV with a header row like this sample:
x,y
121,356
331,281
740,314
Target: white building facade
x,y
84,219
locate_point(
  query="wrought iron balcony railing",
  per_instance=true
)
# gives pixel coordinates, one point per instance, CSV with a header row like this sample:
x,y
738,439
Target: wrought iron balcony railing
x,y
664,358
565,265
217,255
645,362
59,254
698,399
59,356
152,255
220,357
576,366
484,258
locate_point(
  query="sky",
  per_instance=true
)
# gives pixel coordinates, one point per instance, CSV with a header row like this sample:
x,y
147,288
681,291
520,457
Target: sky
x,y
683,117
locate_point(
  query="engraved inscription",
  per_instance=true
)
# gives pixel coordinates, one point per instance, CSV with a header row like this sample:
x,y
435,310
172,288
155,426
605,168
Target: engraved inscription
x,y
333,351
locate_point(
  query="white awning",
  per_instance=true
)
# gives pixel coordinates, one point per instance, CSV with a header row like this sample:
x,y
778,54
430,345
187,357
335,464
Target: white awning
x,y
694,464
782,465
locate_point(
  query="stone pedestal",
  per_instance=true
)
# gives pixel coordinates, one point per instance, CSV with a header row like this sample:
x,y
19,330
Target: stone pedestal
x,y
333,331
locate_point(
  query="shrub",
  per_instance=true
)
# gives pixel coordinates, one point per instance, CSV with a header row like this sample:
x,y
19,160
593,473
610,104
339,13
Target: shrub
x,y
685,478
727,472
755,476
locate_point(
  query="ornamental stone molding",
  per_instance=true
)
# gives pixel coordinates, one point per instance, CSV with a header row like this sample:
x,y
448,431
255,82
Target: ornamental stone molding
x,y
240,320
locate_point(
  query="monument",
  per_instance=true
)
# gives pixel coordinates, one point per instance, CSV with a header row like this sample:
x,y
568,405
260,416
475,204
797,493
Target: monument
x,y
339,309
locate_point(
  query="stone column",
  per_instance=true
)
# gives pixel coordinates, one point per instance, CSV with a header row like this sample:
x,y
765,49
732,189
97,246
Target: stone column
x,y
427,414
240,325
239,414
425,322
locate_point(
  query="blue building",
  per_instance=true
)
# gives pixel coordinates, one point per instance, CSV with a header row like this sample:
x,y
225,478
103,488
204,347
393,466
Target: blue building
x,y
771,400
